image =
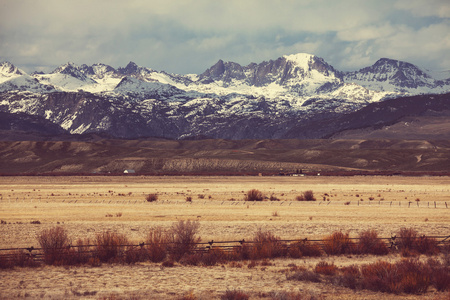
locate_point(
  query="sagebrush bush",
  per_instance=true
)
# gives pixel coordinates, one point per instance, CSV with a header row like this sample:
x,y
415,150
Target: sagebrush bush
x,y
235,295
407,276
407,238
157,244
369,243
54,243
325,268
338,243
304,248
151,197
254,195
110,246
440,273
267,245
306,196
183,236
427,245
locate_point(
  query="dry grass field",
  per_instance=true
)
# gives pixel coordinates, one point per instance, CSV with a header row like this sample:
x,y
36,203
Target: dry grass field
x,y
86,206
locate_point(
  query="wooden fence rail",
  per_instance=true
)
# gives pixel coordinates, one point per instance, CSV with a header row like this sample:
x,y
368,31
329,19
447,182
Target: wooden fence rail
x,y
37,254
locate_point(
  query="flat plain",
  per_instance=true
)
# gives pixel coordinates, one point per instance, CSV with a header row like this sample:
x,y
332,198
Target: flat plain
x,y
88,205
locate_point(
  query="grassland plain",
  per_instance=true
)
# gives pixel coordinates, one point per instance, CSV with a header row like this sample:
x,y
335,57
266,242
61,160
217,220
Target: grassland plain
x,y
85,206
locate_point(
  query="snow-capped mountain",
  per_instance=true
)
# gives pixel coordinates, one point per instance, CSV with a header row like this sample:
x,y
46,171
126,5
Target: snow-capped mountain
x,y
271,99
393,75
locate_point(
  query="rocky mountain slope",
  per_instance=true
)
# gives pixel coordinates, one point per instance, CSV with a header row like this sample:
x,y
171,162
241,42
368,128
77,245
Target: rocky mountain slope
x,y
294,96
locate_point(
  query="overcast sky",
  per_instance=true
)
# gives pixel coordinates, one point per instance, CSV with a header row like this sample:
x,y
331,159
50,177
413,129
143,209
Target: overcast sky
x,y
188,36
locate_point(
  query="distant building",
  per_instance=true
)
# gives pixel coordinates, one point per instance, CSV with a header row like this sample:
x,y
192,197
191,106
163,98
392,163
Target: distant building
x,y
129,171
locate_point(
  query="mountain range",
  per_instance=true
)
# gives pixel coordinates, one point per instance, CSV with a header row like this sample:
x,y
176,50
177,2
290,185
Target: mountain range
x,y
297,96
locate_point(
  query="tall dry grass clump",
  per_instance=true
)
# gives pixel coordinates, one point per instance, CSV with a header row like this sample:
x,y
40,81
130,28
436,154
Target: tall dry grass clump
x,y
338,243
254,195
54,243
184,239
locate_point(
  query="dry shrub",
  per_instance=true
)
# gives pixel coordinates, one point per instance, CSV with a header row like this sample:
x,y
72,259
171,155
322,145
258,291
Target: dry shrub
x,y
426,245
326,269
304,275
191,259
151,197
213,257
407,238
338,243
254,195
242,252
281,295
189,296
349,277
440,273
157,244
79,254
380,276
415,276
17,258
183,236
306,196
110,246
304,248
54,243
369,243
407,276
235,295
267,245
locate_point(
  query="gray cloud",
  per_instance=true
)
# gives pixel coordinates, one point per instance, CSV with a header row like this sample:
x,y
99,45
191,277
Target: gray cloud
x,y
188,36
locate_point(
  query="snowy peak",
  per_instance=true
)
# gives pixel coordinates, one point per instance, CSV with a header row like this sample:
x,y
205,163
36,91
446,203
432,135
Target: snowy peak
x,y
99,71
394,72
8,71
286,71
72,70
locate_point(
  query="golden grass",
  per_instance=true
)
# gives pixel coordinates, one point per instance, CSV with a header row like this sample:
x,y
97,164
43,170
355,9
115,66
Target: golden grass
x,y
81,206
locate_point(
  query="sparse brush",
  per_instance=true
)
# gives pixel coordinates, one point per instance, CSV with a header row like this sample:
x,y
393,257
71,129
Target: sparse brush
x,y
304,248
267,245
157,244
338,243
54,242
407,239
306,196
110,246
427,245
201,196
235,295
183,236
151,197
273,198
325,268
369,243
304,275
254,195
188,199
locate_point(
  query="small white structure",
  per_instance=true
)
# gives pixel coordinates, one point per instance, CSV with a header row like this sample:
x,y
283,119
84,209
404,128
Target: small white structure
x,y
129,171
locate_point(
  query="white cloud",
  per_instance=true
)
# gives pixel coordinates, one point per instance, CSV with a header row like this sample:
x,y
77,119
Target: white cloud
x,y
186,36
429,8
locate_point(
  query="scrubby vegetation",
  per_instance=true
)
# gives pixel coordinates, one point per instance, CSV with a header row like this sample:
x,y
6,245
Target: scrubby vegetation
x,y
180,243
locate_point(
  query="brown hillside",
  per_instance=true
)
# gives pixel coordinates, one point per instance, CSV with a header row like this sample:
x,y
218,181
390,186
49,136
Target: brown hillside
x,y
223,156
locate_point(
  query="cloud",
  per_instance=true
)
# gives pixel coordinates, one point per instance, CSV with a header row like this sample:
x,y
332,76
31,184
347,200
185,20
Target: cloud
x,y
188,36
